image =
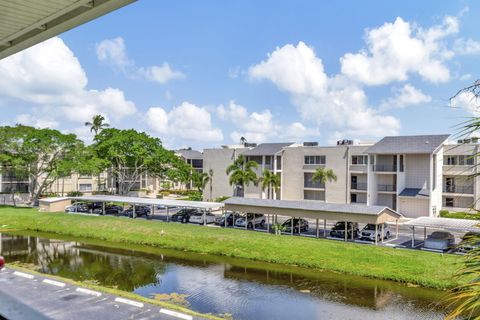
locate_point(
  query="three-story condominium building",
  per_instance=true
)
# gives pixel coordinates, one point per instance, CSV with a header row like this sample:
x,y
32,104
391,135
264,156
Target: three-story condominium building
x,y
415,175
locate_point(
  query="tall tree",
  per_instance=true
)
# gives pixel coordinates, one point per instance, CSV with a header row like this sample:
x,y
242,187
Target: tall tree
x,y
44,155
131,155
242,173
322,175
210,182
97,124
200,180
270,182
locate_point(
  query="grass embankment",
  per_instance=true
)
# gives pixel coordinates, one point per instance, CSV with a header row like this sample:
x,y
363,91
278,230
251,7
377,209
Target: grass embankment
x,y
408,266
116,292
460,215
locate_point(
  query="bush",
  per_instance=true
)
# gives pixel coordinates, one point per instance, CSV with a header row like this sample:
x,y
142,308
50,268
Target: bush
x,y
443,213
49,195
221,199
74,194
101,193
194,196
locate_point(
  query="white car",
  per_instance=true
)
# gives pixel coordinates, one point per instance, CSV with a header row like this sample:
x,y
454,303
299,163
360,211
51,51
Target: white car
x,y
258,220
368,232
198,216
439,240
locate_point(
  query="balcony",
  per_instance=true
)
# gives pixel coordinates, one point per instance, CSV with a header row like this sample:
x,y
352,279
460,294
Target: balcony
x,y
386,188
385,168
359,186
313,185
458,189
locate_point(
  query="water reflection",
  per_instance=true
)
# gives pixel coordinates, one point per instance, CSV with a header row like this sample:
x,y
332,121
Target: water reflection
x,y
221,285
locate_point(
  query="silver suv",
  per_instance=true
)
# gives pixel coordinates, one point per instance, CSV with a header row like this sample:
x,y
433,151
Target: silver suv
x,y
258,220
368,232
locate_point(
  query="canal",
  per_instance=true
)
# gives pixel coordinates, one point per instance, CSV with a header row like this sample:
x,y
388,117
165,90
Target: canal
x,y
219,285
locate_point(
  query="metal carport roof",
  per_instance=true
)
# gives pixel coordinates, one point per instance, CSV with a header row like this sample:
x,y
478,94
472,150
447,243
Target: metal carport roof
x,y
24,23
445,224
151,201
314,209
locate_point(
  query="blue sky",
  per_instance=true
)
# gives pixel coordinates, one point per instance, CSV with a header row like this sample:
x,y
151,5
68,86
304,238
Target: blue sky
x,y
203,74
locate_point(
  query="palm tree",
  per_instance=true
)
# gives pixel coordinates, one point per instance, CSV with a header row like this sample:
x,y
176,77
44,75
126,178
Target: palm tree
x,y
97,124
322,175
243,140
200,180
241,172
270,181
210,180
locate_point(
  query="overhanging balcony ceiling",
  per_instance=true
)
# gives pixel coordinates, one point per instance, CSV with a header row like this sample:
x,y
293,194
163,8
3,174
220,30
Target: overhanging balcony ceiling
x,y
24,23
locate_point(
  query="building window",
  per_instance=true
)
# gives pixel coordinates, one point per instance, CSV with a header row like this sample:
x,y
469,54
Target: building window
x,y
460,160
315,159
449,202
360,160
85,187
353,198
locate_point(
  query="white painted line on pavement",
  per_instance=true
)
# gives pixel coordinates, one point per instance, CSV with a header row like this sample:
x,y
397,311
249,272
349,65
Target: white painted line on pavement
x,y
130,302
24,275
54,283
176,314
90,292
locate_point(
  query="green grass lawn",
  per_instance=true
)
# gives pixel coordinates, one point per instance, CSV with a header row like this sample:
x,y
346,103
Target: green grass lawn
x,y
408,266
460,215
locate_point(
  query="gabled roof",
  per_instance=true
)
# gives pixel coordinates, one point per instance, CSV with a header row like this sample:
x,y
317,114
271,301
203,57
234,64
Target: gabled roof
x,y
267,149
189,154
408,144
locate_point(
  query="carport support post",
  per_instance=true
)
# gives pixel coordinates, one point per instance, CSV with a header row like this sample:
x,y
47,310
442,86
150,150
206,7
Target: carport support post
x,y
413,237
167,215
352,233
103,208
396,229
246,220
346,229
424,234
204,217
324,228
153,210
376,234
383,234
291,226
134,214
268,223
318,231
253,225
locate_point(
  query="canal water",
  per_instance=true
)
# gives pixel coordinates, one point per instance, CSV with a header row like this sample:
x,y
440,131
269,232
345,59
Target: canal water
x,y
217,285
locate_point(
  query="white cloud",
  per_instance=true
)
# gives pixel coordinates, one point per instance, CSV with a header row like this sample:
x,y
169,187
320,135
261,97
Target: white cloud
x,y
405,96
29,120
468,101
113,52
50,77
186,121
397,49
467,46
335,103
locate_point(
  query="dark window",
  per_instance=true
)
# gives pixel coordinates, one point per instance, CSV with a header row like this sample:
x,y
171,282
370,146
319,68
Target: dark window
x,y
353,198
314,160
449,202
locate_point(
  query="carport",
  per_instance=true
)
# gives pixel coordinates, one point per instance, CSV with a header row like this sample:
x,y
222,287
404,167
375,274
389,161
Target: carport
x,y
448,224
318,210
167,203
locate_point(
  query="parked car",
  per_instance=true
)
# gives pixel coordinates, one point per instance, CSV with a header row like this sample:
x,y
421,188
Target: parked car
x,y
368,232
439,240
78,207
109,209
183,215
470,241
2,262
287,225
253,219
338,230
221,220
139,211
198,216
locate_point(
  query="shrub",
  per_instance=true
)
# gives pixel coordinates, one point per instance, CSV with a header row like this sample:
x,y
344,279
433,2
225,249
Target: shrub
x,y
443,213
74,194
49,195
222,198
101,192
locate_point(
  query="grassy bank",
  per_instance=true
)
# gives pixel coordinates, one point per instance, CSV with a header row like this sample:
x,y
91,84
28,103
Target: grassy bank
x,y
408,266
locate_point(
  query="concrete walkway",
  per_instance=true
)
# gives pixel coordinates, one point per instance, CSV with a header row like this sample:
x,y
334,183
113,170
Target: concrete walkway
x,y
31,296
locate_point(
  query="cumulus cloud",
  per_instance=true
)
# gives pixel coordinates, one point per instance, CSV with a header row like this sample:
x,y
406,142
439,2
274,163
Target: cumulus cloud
x,y
468,101
467,46
405,96
395,50
186,121
50,77
332,102
113,52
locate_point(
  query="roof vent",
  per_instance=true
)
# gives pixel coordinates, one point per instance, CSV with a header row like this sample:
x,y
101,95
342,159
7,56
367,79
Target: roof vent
x,y
310,144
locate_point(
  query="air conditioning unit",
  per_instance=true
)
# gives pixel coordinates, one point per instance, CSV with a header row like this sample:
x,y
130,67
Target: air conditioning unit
x,y
250,145
310,144
344,142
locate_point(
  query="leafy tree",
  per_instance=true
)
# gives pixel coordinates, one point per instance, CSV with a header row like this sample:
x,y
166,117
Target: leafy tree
x,y
322,175
43,155
242,172
200,180
97,124
270,181
130,155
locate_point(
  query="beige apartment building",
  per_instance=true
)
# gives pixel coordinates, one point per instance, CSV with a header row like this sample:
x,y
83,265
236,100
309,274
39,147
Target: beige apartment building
x,y
415,175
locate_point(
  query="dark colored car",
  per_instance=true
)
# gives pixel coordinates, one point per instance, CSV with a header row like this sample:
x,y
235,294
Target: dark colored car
x,y
109,209
221,220
287,225
78,207
139,211
338,230
183,215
